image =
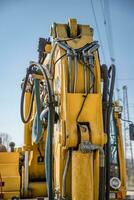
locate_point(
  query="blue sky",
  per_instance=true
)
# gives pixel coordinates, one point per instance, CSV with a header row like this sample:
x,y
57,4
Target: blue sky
x,y
22,22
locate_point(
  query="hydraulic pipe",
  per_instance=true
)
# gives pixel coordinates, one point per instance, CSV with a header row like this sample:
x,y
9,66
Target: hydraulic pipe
x,y
75,71
26,173
69,58
85,70
85,78
91,65
65,174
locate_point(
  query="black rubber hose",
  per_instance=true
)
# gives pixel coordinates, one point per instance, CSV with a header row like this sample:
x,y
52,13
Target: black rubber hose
x,y
51,114
110,101
26,120
102,183
104,72
102,177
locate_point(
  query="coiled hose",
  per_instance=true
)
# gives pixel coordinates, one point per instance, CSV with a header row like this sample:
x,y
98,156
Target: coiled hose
x,y
48,149
26,120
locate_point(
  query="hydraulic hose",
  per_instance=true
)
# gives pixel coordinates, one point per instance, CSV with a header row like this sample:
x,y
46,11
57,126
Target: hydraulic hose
x,y
104,72
48,150
75,70
85,71
69,59
26,120
113,71
102,182
37,128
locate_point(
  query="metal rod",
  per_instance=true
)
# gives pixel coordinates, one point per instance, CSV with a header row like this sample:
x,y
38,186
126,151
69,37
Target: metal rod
x,y
65,173
91,65
69,58
85,71
75,70
26,173
85,78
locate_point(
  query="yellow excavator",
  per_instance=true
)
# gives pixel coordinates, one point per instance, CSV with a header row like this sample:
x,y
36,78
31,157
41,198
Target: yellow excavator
x,y
73,146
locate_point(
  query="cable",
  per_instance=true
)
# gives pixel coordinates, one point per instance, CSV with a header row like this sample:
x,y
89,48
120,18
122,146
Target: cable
x,y
39,152
26,120
60,58
90,69
108,30
85,96
129,121
125,79
103,13
97,27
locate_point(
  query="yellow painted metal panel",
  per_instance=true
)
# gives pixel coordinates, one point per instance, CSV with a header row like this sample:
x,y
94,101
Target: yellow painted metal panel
x,y
91,113
9,195
82,176
9,169
9,157
73,27
37,169
96,174
11,183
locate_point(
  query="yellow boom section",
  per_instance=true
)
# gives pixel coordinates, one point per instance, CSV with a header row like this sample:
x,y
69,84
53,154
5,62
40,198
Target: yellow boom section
x,y
80,107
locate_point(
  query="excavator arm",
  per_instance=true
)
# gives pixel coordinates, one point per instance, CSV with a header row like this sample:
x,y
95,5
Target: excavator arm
x,y
66,107
71,104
